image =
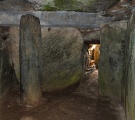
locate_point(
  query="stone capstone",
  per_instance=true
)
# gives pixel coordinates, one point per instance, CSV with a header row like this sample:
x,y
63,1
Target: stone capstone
x,y
56,19
93,35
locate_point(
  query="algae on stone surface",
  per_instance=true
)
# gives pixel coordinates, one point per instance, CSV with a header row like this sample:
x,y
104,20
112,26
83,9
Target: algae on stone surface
x,y
62,58
61,81
49,8
79,5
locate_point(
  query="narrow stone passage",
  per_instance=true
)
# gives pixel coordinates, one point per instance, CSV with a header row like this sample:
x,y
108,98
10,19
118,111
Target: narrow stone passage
x,y
83,104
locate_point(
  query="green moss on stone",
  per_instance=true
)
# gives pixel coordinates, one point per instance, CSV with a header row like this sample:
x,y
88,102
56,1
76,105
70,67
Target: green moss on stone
x,y
49,8
56,83
79,6
68,5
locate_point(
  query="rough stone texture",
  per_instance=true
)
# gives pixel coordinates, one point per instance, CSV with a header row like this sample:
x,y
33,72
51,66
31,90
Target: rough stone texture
x,y
58,39
62,58
111,60
129,71
30,59
92,35
74,5
57,19
14,37
6,69
16,5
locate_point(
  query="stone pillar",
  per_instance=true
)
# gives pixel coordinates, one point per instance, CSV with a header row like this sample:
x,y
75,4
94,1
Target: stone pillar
x,y
111,59
30,60
6,68
129,71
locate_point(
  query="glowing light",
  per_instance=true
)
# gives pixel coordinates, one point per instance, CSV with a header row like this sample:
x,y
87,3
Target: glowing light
x,y
93,47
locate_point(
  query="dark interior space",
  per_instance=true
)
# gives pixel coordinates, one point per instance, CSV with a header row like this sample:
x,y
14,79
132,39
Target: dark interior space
x,y
83,103
67,60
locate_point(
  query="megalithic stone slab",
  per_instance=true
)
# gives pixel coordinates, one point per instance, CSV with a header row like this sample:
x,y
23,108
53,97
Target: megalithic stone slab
x,y
30,59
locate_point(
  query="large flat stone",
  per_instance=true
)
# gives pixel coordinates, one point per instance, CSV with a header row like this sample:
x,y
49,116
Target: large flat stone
x,y
56,19
62,58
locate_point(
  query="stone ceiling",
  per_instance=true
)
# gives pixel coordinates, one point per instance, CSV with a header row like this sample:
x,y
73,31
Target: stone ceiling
x,y
119,11
116,10
15,5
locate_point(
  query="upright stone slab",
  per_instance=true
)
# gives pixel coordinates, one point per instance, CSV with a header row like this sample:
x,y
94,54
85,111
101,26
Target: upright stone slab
x,y
6,70
14,36
6,67
30,59
111,60
129,70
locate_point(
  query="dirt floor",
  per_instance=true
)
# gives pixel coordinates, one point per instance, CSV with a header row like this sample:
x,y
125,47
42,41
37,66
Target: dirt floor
x,y
83,104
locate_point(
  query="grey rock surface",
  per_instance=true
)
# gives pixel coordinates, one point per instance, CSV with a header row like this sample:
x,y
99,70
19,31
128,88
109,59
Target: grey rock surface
x,y
128,83
6,68
56,19
15,5
111,60
62,58
30,59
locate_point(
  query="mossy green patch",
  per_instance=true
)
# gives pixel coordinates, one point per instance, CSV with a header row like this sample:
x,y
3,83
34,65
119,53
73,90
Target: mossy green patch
x,y
49,8
68,5
79,6
62,81
65,3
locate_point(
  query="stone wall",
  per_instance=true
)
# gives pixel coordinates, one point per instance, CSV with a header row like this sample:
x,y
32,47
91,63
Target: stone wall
x,y
15,5
128,83
6,68
111,59
14,36
62,60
